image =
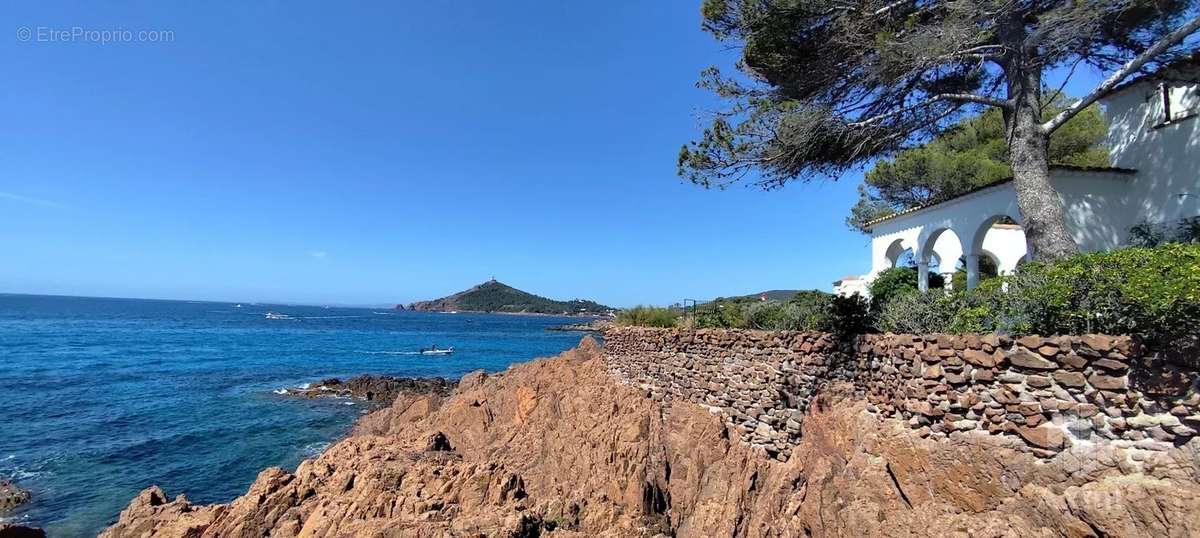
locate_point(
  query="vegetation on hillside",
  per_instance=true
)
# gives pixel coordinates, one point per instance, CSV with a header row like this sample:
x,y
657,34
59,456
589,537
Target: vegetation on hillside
x,y
493,296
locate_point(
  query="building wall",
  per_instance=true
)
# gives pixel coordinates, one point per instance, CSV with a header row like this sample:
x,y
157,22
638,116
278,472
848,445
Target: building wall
x,y
1166,156
1040,394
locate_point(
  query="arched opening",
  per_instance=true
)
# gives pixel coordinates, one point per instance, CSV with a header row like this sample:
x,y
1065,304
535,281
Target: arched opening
x,y
895,252
988,268
937,256
1003,239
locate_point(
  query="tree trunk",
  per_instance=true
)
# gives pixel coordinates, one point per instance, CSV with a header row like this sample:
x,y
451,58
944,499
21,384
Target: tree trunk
x,y
1045,222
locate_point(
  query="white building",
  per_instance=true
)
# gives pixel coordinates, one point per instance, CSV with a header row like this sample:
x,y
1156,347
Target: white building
x,y
1154,140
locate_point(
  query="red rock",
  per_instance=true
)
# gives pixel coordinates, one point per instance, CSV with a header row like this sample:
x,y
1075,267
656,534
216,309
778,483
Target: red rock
x,y
1026,359
1111,365
1047,436
979,358
1069,379
1104,382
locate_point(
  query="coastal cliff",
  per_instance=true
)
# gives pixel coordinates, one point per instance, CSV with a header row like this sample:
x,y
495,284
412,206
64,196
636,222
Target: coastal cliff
x,y
562,447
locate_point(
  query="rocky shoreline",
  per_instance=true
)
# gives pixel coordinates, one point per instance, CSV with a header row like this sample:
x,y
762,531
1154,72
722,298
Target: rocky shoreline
x,y
593,326
560,447
11,496
376,389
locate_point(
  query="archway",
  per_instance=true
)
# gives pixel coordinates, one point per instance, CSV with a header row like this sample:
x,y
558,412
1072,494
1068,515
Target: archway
x,y
939,250
1003,238
896,253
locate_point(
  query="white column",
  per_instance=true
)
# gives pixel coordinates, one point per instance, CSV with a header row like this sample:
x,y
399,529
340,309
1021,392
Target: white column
x,y
972,271
923,276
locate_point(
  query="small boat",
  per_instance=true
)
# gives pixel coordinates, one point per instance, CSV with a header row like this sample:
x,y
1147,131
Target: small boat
x,y
435,351
277,315
237,306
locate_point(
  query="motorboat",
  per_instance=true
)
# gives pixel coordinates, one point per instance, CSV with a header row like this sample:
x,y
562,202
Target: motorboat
x,y
435,351
277,315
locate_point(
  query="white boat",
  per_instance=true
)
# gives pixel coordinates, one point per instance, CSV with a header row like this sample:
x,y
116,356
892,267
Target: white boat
x,y
277,315
436,351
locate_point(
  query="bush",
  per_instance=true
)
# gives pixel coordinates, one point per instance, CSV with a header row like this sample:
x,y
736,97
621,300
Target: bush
x,y
721,315
1150,292
810,311
897,281
849,316
1153,292
648,316
914,312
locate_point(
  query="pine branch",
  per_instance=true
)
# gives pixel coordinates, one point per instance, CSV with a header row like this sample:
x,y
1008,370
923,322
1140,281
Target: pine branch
x,y
1129,68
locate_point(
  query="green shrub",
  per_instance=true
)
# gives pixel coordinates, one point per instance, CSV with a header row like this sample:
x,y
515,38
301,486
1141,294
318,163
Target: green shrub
x,y
811,312
914,312
1153,292
1150,292
897,281
849,316
648,316
722,315
767,315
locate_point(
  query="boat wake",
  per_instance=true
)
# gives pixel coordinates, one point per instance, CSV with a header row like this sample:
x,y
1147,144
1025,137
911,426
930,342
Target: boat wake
x,y
389,352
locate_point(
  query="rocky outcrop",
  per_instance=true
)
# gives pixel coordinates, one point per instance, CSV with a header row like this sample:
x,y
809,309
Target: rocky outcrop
x,y
560,447
593,326
11,496
379,389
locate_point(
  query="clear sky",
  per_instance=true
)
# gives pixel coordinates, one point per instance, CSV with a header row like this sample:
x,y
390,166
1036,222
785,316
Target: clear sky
x,y
352,153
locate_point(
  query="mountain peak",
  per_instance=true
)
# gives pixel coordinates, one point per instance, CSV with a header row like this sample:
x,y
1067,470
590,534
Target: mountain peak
x,y
496,296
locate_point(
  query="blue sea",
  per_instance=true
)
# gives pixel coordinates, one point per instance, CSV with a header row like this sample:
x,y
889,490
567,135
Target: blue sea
x,y
104,397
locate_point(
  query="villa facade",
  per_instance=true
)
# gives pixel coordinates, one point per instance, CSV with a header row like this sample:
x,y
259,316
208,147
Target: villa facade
x,y
1154,143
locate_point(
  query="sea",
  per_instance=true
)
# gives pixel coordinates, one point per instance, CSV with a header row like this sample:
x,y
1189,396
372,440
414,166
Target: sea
x,y
105,397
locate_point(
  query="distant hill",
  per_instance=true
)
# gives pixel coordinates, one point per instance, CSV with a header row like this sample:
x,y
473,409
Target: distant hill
x,y
776,295
772,295
493,296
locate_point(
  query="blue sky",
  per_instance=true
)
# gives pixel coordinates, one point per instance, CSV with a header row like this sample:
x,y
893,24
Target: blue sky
x,y
360,153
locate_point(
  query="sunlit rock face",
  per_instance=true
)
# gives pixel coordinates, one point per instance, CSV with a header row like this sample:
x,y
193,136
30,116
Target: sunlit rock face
x,y
561,447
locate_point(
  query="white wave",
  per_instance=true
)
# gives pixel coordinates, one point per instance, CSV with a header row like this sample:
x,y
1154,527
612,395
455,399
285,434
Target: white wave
x,y
389,352
314,449
305,386
280,391
347,403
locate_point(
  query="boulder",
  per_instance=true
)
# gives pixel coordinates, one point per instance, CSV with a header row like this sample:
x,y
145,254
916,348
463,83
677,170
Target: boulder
x,y
11,496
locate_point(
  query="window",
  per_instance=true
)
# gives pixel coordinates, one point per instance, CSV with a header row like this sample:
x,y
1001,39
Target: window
x,y
1179,101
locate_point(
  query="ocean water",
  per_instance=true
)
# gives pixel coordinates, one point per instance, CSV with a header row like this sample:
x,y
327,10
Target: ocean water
x,y
104,397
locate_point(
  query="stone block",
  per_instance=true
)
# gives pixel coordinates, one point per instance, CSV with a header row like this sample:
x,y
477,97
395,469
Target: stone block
x,y
1045,436
1069,379
1026,359
1105,382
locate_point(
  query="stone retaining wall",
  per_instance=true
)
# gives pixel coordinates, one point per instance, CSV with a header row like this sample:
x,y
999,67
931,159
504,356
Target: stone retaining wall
x,y
1046,392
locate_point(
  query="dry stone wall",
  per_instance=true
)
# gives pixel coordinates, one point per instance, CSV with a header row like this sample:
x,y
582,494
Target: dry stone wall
x,y
761,381
1046,393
